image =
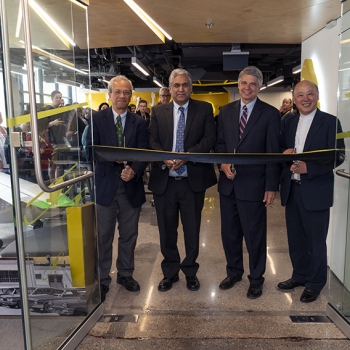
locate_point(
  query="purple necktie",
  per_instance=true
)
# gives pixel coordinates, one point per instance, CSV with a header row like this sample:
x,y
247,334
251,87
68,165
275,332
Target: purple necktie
x,y
243,121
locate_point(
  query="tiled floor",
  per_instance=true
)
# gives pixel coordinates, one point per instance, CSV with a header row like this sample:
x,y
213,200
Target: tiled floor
x,y
211,318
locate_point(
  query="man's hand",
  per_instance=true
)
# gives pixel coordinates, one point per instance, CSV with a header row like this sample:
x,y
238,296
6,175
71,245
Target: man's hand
x,y
174,164
226,168
56,122
127,174
269,197
298,168
289,151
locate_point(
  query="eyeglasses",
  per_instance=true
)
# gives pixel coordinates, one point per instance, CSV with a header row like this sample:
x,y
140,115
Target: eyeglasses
x,y
184,85
124,92
165,95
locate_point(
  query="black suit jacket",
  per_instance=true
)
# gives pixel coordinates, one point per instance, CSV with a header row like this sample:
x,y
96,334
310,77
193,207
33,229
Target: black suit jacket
x,y
261,135
106,178
317,184
199,138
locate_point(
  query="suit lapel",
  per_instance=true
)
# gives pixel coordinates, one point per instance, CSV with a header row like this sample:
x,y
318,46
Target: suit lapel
x,y
315,125
110,126
190,116
291,136
129,128
169,123
234,115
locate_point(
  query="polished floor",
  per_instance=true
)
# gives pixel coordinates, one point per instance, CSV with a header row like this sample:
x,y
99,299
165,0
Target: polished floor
x,y
211,318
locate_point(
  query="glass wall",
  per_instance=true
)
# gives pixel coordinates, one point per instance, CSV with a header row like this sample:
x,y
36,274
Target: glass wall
x,y
339,300
48,279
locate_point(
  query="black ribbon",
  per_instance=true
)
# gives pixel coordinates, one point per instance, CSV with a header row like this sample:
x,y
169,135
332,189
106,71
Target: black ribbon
x,y
113,154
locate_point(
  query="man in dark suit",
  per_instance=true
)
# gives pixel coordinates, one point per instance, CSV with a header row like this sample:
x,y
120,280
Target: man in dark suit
x,y
307,191
247,126
143,110
119,188
185,125
287,108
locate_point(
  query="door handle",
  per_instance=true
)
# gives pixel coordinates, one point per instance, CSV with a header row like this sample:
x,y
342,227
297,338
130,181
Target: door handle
x,y
342,173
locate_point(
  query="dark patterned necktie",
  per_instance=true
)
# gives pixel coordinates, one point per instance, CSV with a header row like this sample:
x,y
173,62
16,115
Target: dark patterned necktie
x,y
243,121
119,128
180,134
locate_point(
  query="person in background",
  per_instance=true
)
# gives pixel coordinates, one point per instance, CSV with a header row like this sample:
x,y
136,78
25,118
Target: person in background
x,y
132,108
164,95
179,186
143,110
247,126
4,165
307,190
287,108
120,191
103,105
46,149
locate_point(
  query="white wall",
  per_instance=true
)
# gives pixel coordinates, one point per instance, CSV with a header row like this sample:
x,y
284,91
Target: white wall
x,y
323,48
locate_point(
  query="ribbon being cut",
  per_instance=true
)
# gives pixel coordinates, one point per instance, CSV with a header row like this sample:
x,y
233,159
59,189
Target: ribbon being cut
x,y
114,154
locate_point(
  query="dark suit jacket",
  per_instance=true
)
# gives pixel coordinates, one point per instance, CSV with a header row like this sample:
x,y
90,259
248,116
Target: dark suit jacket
x,y
199,138
261,135
106,179
317,184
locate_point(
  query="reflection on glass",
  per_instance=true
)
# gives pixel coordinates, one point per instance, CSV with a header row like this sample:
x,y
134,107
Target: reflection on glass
x,y
59,235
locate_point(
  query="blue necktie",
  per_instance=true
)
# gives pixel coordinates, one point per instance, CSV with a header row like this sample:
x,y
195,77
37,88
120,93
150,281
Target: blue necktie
x,y
243,121
180,134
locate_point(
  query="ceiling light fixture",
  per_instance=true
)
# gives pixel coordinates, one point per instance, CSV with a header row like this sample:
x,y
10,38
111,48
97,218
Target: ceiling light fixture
x,y
42,52
275,81
152,24
156,81
209,25
69,67
296,69
79,4
51,24
138,64
67,82
263,86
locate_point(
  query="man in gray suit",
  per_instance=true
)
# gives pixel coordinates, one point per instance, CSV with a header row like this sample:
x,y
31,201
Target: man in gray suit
x,y
184,125
119,188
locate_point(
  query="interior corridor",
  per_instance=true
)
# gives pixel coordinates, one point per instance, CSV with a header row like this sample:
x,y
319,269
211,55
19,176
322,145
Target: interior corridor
x,y
211,318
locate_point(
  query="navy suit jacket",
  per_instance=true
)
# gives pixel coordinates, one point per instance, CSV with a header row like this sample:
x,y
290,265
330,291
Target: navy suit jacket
x,y
261,135
106,178
199,138
318,183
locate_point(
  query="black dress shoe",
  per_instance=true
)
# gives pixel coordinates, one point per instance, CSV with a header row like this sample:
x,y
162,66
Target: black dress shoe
x,y
229,282
166,283
104,290
129,283
289,284
254,291
192,283
309,295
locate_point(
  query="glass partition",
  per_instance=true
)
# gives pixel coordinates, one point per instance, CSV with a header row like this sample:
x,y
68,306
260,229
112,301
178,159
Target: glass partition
x,y
339,294
55,230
